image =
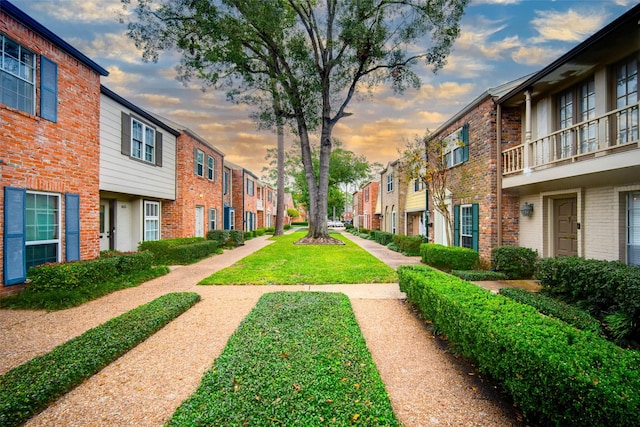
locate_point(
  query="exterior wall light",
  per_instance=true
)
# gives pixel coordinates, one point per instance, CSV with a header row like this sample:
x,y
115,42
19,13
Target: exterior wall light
x,y
527,209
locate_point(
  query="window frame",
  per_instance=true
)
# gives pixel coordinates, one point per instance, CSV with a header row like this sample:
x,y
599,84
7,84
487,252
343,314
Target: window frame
x,y
199,166
225,182
57,226
456,147
466,226
627,129
390,182
632,224
31,68
213,222
154,218
211,168
250,187
145,146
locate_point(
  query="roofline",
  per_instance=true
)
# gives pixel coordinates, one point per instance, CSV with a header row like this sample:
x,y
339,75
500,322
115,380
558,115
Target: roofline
x,y
34,25
586,44
201,140
111,94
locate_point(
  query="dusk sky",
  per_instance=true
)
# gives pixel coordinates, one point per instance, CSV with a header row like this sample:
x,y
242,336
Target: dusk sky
x,y
501,40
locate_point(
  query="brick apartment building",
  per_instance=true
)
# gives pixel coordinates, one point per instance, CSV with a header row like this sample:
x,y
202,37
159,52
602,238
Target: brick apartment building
x,y
49,174
244,197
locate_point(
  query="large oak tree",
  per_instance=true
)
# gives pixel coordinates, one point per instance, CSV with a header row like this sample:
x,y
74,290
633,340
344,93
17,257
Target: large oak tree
x,y
319,53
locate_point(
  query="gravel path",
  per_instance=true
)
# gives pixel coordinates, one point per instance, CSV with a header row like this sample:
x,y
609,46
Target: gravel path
x,y
426,384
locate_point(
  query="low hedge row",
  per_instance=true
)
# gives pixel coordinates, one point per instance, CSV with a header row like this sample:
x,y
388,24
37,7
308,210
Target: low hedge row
x,y
72,275
557,374
478,275
381,237
608,290
183,250
448,257
409,245
553,307
30,387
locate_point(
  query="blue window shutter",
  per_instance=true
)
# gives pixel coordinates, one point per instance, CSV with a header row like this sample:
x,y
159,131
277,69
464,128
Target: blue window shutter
x,y
475,226
72,226
465,140
15,230
456,225
48,89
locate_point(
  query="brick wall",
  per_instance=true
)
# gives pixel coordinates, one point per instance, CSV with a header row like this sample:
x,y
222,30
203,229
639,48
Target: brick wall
x,y
61,157
179,216
392,201
369,206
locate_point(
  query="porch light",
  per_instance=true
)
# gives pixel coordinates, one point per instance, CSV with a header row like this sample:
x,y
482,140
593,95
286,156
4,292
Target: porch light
x,y
527,209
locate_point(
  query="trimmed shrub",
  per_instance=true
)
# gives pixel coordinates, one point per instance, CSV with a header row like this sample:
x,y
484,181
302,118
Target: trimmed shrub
x,y
75,274
236,237
187,254
516,262
287,227
552,307
448,257
381,237
608,290
220,236
161,249
300,223
478,275
409,245
181,250
557,374
260,231
394,247
30,387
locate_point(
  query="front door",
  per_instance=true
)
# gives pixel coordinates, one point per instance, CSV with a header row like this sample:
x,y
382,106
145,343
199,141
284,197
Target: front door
x,y
566,226
199,221
105,226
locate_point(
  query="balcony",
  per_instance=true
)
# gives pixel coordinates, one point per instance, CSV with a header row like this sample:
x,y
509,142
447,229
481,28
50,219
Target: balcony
x,y
259,205
614,132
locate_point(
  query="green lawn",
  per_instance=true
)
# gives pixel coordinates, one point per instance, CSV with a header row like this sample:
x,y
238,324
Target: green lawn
x,y
283,263
297,359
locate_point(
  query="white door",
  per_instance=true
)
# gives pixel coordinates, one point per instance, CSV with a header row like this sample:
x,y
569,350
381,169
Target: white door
x,y
105,226
199,221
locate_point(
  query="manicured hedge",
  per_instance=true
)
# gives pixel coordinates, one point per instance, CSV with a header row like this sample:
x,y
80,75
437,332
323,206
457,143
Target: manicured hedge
x,y
72,275
220,236
609,290
409,245
381,237
478,275
557,374
516,262
298,359
448,257
184,250
30,387
552,307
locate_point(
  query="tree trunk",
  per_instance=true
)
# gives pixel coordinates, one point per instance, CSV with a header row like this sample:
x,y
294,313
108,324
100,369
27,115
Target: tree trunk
x,y
279,231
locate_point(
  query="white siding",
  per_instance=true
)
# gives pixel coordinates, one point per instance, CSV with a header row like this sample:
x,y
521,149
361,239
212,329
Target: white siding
x,y
121,174
531,234
600,224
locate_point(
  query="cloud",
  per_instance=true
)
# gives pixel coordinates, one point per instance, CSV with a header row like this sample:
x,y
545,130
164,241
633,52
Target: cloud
x,y
159,101
567,26
87,11
535,55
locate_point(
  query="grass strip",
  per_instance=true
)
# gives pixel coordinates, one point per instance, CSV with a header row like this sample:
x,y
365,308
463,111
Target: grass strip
x,y
60,299
283,263
30,387
297,359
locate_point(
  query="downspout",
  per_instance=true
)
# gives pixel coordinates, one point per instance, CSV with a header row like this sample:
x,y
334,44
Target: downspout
x,y
499,174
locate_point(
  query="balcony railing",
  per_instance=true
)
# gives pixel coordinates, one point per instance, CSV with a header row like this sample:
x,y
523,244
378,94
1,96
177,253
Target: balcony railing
x,y
594,137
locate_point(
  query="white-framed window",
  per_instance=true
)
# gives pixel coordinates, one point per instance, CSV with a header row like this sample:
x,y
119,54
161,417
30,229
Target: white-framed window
x,y
418,185
250,187
456,145
393,222
143,141
199,163
390,182
587,106
366,194
269,196
151,220
633,228
42,227
17,76
466,226
627,95
211,168
213,217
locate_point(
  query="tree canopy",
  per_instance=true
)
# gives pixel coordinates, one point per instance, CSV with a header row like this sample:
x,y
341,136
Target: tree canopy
x,y
313,56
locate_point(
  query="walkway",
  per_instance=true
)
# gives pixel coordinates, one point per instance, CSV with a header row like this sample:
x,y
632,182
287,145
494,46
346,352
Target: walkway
x,y
427,385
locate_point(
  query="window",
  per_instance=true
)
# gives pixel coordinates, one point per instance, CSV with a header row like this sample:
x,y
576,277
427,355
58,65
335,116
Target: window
x,y
366,194
17,76
211,168
418,185
269,196
565,111
393,222
390,182
633,228
466,226
225,182
626,96
213,215
199,163
577,105
143,141
151,221
587,137
457,147
250,187
43,228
